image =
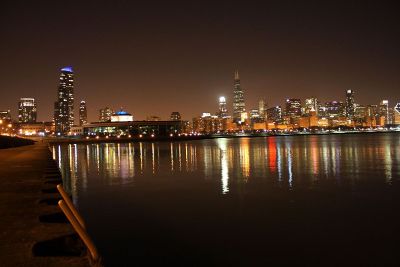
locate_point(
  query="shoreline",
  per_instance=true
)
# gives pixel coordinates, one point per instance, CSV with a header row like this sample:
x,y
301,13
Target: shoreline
x,y
34,232
93,140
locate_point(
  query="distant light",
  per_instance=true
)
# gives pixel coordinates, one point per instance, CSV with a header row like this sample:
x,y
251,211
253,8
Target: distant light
x,y
107,137
171,135
129,136
67,69
152,135
140,135
87,137
222,99
97,137
118,136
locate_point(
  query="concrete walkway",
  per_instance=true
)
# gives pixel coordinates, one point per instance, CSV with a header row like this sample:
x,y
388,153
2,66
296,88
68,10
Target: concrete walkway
x,y
22,180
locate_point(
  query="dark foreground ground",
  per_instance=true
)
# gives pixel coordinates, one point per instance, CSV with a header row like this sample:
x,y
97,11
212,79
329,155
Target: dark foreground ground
x,y
31,231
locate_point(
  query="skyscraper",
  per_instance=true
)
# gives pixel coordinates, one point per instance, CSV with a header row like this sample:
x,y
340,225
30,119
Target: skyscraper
x,y
64,106
262,109
311,104
293,108
396,116
350,106
274,114
384,111
222,110
238,99
27,110
335,109
82,113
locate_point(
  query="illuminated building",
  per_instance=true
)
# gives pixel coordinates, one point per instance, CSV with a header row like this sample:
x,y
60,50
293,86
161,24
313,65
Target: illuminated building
x,y
32,129
360,112
133,128
105,114
335,109
350,106
82,113
5,115
27,110
384,112
309,120
222,110
391,116
274,114
304,122
396,117
208,124
310,104
64,106
262,109
238,99
175,116
121,116
255,116
293,108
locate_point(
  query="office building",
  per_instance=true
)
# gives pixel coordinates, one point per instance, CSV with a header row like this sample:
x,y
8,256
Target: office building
x,y
64,106
384,112
350,105
396,116
335,109
222,110
82,113
274,114
310,104
262,109
27,112
293,108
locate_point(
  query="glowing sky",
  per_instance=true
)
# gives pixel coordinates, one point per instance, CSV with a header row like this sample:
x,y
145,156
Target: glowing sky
x,y
157,57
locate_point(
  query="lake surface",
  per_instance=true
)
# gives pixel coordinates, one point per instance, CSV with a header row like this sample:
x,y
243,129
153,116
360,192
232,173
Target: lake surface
x,y
305,200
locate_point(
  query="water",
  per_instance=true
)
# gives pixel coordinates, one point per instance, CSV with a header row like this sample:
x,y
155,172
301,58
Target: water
x,y
314,200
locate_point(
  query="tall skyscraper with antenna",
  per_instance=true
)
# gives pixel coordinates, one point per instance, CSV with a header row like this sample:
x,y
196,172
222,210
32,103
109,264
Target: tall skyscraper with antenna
x,y
238,99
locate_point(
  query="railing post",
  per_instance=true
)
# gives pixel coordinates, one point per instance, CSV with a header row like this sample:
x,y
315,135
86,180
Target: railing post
x,y
81,232
71,206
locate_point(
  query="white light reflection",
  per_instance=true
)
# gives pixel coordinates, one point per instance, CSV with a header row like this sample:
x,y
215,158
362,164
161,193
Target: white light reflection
x,y
388,164
222,144
172,156
59,156
141,157
289,153
152,157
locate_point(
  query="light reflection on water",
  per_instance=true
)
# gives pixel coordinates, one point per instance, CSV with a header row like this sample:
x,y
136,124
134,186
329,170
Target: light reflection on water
x,y
220,200
286,161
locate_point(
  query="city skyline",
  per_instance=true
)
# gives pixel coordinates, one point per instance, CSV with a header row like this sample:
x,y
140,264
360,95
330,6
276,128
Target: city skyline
x,y
236,87
173,55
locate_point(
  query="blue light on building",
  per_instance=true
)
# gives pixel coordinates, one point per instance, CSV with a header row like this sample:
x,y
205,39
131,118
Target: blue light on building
x,y
67,69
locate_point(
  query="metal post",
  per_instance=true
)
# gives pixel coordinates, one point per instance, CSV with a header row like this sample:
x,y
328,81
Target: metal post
x,y
81,231
71,206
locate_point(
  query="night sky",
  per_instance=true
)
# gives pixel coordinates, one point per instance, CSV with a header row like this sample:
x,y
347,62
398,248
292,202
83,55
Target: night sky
x,y
155,57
